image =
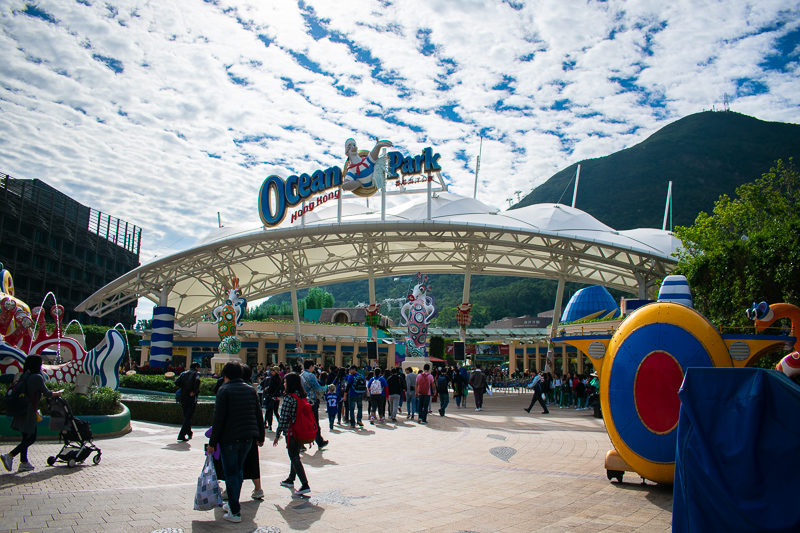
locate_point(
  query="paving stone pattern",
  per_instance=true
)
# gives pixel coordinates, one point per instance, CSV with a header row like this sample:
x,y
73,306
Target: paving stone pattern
x,y
443,477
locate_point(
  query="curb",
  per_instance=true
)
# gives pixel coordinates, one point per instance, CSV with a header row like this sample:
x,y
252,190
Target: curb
x,y
103,426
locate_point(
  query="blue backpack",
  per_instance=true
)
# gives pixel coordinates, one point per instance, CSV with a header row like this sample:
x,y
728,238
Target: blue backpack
x,y
359,384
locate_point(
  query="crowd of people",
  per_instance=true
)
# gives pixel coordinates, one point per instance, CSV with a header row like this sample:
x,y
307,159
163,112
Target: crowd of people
x,y
568,391
345,391
249,405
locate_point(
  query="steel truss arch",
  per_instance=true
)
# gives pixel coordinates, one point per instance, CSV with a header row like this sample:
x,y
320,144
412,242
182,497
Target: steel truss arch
x,y
322,254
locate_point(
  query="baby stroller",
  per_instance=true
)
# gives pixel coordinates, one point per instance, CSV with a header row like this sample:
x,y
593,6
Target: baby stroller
x,y
76,434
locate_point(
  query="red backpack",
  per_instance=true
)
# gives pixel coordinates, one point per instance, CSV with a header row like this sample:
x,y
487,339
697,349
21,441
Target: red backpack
x,y
304,430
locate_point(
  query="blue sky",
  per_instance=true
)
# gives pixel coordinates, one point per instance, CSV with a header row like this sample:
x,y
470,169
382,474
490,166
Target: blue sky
x,y
164,113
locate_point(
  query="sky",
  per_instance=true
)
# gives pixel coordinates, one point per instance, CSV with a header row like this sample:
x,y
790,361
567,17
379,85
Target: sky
x,y
164,114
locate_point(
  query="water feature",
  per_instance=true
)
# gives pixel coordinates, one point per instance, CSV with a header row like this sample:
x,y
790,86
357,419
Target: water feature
x,y
156,396
127,341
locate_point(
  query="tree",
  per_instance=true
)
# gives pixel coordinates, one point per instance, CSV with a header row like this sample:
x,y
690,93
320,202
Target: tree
x,y
436,348
747,250
318,298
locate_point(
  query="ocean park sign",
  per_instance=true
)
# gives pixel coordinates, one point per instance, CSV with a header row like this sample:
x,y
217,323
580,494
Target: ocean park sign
x,y
364,172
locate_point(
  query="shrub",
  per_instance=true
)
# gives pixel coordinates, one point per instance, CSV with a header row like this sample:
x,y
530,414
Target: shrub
x,y
158,370
162,384
147,382
99,400
169,412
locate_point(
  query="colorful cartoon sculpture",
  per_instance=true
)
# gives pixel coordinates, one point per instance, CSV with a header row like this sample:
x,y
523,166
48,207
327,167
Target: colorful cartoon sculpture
x,y
417,314
15,315
641,368
17,341
764,316
228,317
364,171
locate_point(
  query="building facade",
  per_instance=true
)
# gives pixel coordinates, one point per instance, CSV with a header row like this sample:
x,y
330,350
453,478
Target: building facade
x,y
51,243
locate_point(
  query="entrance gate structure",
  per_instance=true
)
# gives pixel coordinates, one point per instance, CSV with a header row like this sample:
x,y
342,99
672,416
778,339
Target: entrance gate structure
x,y
447,233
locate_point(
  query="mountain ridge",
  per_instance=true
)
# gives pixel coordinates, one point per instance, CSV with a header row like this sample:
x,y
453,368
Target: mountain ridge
x,y
706,155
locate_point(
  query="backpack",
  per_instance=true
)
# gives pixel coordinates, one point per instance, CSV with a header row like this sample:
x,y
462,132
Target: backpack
x,y
441,384
376,387
359,384
186,383
16,401
304,430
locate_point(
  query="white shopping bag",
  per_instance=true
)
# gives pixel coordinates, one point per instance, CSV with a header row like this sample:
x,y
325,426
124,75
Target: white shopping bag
x,y
207,496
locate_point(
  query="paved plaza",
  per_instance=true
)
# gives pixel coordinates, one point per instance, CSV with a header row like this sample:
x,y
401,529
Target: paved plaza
x,y
500,469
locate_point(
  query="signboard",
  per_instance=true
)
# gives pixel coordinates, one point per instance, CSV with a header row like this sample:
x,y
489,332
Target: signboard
x,y
363,174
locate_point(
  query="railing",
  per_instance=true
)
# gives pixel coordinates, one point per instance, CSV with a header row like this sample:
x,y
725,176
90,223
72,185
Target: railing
x,y
118,231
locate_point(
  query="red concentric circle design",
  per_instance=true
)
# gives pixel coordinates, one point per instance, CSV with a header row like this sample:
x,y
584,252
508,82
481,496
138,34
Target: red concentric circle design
x,y
655,390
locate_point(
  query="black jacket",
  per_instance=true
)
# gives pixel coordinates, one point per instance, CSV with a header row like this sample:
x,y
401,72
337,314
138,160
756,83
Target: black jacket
x,y
397,384
237,415
274,388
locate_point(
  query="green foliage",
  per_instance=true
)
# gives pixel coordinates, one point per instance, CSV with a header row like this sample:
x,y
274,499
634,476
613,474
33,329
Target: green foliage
x,y
437,347
141,381
161,384
315,298
99,400
747,250
207,386
269,309
318,298
169,412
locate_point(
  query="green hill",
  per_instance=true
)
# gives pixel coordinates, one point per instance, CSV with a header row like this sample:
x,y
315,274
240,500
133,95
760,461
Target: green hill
x,y
705,155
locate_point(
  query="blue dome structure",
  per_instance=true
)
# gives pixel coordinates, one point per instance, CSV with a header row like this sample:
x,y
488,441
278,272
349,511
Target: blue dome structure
x,y
590,302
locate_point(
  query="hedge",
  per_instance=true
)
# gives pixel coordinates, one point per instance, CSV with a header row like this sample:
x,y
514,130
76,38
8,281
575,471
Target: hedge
x,y
99,400
169,412
162,384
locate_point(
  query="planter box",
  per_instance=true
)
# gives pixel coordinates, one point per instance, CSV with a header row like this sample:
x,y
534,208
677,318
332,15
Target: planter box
x,y
103,426
169,412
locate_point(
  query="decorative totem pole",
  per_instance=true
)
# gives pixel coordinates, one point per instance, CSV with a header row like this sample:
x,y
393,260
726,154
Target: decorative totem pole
x,y
417,314
463,317
373,319
228,316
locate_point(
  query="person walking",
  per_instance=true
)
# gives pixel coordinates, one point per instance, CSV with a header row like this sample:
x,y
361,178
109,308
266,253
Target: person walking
x,y
31,383
465,389
238,422
332,403
340,381
272,395
411,399
189,385
315,392
355,388
537,384
251,469
458,386
396,384
378,392
424,389
442,387
477,381
294,391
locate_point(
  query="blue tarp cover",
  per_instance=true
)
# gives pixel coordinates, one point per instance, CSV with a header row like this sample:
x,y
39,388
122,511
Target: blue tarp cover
x,y
737,463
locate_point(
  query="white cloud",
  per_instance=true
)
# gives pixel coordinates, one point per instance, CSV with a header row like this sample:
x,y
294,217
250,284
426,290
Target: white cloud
x,y
172,139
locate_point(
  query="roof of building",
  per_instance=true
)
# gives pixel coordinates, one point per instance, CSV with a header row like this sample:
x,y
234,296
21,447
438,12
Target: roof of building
x,y
461,234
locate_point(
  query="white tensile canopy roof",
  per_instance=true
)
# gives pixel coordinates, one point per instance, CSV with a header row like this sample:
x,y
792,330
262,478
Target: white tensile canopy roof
x,y
462,235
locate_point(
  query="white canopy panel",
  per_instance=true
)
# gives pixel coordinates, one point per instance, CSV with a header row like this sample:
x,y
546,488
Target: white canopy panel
x,y
462,235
